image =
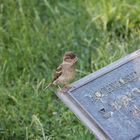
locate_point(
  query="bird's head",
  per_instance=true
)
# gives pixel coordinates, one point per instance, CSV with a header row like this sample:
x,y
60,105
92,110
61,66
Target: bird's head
x,y
70,57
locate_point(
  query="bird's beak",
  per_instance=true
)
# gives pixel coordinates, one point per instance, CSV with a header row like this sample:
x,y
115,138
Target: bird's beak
x,y
76,59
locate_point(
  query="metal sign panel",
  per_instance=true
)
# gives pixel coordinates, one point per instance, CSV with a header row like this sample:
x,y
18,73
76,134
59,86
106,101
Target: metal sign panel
x,y
108,101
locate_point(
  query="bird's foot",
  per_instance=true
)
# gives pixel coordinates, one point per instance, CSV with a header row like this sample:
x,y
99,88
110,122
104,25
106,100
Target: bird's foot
x,y
65,89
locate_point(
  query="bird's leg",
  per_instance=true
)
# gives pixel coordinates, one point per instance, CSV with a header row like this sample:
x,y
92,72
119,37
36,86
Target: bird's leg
x,y
62,90
66,88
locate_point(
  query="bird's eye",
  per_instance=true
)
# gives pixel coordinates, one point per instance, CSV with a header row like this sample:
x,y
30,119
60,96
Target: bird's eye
x,y
67,58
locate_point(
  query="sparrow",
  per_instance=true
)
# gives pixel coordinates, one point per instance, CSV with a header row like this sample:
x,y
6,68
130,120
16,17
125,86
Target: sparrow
x,y
65,72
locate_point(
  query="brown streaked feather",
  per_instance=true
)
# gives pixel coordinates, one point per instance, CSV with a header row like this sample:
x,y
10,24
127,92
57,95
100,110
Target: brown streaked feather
x,y
57,73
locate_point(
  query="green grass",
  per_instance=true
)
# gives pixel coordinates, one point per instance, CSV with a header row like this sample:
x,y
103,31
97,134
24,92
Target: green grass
x,y
34,34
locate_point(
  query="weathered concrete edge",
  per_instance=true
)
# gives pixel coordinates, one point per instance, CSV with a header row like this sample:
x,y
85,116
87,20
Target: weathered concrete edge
x,y
83,116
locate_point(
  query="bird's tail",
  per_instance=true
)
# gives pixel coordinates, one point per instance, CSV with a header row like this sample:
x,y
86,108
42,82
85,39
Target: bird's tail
x,y
48,85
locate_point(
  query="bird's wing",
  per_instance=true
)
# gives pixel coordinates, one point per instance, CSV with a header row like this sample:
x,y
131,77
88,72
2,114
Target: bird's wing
x,y
58,72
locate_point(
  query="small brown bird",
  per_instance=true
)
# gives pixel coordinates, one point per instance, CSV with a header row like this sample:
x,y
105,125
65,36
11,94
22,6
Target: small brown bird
x,y
65,73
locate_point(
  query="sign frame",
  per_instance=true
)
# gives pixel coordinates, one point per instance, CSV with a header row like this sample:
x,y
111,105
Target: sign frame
x,y
78,110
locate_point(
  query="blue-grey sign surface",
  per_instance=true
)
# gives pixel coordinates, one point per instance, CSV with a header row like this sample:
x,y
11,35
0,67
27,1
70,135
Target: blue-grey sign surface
x,y
110,99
